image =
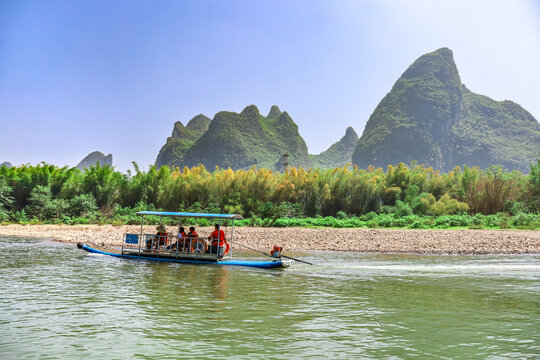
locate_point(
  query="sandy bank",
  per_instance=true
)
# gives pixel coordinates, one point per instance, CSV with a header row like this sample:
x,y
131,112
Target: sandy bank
x,y
363,240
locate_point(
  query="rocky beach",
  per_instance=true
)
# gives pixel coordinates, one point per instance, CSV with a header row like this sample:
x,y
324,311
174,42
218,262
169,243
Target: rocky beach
x,y
437,242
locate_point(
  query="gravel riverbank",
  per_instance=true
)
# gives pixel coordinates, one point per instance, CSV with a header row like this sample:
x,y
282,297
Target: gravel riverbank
x,y
362,240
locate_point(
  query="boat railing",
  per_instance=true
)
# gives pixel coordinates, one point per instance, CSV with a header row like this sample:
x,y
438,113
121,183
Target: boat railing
x,y
172,245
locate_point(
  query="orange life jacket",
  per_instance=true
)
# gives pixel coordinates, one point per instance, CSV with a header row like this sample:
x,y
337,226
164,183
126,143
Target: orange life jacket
x,y
161,238
221,236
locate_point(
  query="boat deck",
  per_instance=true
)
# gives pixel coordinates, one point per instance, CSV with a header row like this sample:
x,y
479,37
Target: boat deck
x,y
162,253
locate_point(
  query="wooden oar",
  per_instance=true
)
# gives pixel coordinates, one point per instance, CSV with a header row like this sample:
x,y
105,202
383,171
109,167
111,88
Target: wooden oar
x,y
295,259
261,252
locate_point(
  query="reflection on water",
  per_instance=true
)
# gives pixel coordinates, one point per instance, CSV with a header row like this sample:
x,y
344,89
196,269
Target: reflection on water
x,y
61,302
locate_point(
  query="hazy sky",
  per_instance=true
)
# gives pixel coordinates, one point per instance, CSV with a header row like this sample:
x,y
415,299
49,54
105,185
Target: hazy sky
x,y
114,76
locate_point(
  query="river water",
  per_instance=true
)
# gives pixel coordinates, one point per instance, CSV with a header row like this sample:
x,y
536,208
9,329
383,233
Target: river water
x,y
60,302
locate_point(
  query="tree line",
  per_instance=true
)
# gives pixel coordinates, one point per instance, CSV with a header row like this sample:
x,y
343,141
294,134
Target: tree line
x,y
49,193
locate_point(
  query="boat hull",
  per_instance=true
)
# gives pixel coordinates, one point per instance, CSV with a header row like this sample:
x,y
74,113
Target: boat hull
x,y
273,264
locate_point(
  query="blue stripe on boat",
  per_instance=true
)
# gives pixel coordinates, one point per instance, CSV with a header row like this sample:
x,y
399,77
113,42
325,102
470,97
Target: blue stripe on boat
x,y
250,263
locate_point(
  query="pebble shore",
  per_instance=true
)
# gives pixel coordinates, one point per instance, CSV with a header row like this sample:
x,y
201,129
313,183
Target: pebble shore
x,y
437,242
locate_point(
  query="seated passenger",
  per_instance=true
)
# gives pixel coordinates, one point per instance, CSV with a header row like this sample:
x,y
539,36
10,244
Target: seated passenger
x,y
192,233
180,240
159,239
217,236
195,243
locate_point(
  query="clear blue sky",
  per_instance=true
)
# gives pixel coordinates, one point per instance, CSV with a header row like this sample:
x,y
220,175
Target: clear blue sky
x,y
114,76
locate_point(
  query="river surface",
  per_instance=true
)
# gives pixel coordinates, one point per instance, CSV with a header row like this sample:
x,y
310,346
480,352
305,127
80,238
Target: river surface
x,y
59,302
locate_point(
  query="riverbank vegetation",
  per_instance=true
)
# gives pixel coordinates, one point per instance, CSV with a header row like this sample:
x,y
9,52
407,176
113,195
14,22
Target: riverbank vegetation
x,y
403,196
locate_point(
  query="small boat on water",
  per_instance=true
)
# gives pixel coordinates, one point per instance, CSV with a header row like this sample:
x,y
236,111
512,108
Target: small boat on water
x,y
184,248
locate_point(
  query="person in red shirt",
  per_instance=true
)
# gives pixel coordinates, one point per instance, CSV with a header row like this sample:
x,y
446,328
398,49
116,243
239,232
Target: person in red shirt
x,y
217,235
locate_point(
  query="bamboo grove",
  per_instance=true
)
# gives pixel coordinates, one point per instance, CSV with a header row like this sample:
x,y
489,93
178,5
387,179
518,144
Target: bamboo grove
x,y
49,192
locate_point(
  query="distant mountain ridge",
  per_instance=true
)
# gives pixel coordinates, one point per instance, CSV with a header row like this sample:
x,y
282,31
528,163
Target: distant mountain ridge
x,y
240,140
428,117
431,118
245,139
93,158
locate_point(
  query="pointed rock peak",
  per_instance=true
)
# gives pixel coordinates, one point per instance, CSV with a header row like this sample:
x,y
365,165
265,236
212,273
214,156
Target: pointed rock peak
x,y
440,63
285,118
274,112
199,122
93,158
177,129
350,133
250,111
444,51
7,164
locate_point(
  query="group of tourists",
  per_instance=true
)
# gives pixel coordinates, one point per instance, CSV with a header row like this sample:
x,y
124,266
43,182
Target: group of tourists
x,y
190,242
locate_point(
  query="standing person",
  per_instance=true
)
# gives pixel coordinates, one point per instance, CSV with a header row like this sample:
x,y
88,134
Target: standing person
x,y
217,235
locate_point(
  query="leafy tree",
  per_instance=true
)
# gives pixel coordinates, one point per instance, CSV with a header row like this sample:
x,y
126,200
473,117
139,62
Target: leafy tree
x,y
82,205
6,200
39,203
534,187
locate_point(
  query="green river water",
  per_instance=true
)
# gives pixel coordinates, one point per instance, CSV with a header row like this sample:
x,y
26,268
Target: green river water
x,y
59,302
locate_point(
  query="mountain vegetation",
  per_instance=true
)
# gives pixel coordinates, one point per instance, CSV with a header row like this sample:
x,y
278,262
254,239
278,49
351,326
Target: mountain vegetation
x,y
431,118
339,154
239,141
181,139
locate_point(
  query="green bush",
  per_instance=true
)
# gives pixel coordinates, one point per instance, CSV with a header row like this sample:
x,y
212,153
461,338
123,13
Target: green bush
x,y
402,209
20,217
82,205
524,220
418,225
369,216
384,221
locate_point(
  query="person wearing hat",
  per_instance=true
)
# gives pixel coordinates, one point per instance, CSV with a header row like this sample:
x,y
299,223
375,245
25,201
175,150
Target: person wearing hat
x,y
159,239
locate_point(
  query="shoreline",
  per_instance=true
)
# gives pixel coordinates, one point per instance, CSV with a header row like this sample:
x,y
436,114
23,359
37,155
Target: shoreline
x,y
427,242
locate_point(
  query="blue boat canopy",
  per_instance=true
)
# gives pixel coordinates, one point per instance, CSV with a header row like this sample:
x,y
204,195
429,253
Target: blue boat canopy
x,y
194,215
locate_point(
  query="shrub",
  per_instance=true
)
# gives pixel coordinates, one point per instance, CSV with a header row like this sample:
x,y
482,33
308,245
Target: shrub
x,y
524,220
421,204
20,217
478,219
117,223
418,224
372,223
79,221
385,221
446,206
369,216
82,205
402,209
